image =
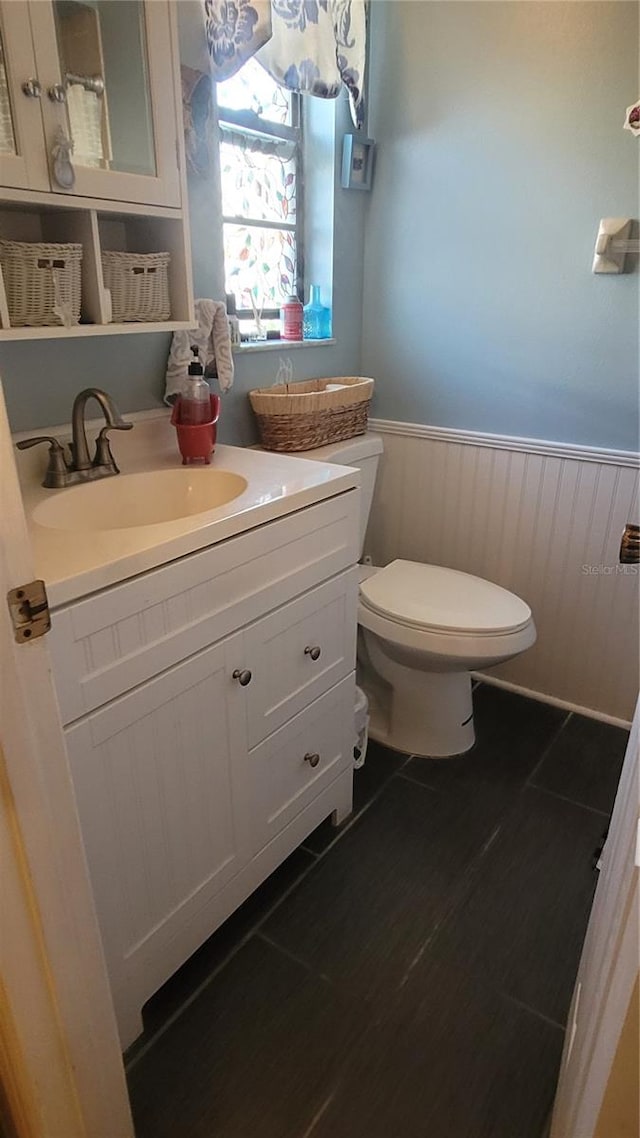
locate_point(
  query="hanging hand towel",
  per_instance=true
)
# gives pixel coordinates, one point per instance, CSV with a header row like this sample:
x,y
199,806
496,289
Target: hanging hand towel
x,y
212,338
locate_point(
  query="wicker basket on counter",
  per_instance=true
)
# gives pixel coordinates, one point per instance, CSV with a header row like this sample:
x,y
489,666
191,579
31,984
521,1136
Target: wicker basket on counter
x,y
303,416
139,286
42,282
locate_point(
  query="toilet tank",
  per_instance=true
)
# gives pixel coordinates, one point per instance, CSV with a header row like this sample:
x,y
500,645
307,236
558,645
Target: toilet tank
x,y
363,452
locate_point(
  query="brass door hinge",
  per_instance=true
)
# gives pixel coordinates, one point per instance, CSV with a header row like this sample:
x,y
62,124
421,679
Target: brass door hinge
x,y
29,610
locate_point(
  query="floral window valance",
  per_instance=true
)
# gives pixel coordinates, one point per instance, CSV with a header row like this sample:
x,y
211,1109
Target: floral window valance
x,y
310,46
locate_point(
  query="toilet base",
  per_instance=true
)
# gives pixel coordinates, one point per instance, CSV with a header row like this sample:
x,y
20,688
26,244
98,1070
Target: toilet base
x,y
430,715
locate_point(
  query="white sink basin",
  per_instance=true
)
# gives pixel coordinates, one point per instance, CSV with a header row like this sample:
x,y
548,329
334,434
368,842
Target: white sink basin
x,y
131,500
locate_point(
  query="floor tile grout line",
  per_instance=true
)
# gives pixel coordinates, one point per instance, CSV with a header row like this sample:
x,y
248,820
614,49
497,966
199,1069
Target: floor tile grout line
x,y
280,948
533,1011
547,749
416,781
475,866
256,928
606,815
468,880
467,884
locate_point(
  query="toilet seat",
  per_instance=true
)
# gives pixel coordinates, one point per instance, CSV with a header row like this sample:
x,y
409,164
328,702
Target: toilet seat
x,y
432,598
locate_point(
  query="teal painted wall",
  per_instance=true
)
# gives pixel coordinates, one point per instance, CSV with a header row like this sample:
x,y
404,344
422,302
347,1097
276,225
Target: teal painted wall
x,y
499,149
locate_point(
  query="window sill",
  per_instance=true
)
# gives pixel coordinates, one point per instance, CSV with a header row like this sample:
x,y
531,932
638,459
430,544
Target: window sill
x,y
279,345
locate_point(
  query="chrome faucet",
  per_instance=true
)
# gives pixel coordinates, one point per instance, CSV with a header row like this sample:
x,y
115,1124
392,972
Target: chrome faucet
x,y
78,467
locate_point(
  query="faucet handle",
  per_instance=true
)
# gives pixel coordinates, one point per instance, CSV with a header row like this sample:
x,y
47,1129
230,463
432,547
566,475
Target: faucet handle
x,y
103,455
24,444
57,469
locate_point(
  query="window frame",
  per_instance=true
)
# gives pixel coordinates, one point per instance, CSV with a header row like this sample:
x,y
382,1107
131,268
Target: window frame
x,y
252,125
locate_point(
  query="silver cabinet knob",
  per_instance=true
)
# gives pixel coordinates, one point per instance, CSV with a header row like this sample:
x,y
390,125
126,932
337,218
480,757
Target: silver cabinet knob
x,y
314,652
57,93
31,88
312,758
243,676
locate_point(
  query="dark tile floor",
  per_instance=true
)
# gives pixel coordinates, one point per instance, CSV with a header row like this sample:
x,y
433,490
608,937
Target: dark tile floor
x,y
406,976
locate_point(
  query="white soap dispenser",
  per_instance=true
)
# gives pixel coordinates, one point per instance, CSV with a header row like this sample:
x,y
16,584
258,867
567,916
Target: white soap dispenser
x,y
195,402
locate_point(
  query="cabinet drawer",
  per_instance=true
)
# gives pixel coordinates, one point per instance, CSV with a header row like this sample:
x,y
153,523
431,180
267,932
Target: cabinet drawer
x,y
114,640
282,779
300,651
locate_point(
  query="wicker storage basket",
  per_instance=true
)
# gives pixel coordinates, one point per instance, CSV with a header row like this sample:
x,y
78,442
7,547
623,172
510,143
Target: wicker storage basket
x,y
42,282
303,416
139,286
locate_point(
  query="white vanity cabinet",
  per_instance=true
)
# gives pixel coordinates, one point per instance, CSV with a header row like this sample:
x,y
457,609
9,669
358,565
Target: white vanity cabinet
x,y
101,73
208,707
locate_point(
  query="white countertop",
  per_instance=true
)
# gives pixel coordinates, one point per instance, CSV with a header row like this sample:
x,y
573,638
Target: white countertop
x,y
74,563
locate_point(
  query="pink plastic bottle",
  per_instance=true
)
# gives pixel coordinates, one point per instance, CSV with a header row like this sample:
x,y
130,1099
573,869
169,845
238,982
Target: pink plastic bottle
x,y
291,317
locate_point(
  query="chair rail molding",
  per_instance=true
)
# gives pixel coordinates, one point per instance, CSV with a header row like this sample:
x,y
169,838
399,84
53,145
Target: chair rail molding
x,y
507,442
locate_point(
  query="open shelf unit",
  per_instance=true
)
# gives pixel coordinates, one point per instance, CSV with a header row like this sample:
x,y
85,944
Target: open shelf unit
x,y
99,226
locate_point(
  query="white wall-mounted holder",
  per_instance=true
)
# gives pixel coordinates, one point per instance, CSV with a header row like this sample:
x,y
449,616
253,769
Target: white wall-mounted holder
x,y
613,244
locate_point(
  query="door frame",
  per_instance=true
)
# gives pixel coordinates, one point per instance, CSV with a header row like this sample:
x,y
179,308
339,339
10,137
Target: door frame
x,y
609,964
60,1062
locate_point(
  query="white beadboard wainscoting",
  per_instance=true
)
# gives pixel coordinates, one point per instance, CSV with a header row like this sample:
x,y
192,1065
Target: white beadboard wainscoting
x,y
542,519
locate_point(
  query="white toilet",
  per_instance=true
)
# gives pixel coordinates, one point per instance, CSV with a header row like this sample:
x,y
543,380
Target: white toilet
x,y
422,630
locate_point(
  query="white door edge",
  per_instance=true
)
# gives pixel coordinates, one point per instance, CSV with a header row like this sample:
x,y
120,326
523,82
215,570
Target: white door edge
x,y
609,965
59,1026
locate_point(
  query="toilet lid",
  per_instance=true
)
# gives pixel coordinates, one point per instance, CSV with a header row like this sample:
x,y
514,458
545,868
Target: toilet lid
x,y
430,596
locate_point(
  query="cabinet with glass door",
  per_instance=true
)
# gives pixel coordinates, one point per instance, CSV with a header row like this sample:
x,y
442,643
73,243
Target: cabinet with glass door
x,y
88,101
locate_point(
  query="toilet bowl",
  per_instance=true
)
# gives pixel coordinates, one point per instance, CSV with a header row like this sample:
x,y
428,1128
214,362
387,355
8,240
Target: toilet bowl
x,y
422,630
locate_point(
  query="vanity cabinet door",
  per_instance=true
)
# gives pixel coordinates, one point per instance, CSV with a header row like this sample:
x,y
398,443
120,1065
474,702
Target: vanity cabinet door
x,y
107,76
299,652
160,779
22,158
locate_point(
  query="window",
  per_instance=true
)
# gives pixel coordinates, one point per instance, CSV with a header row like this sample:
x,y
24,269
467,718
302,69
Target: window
x,y
261,166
